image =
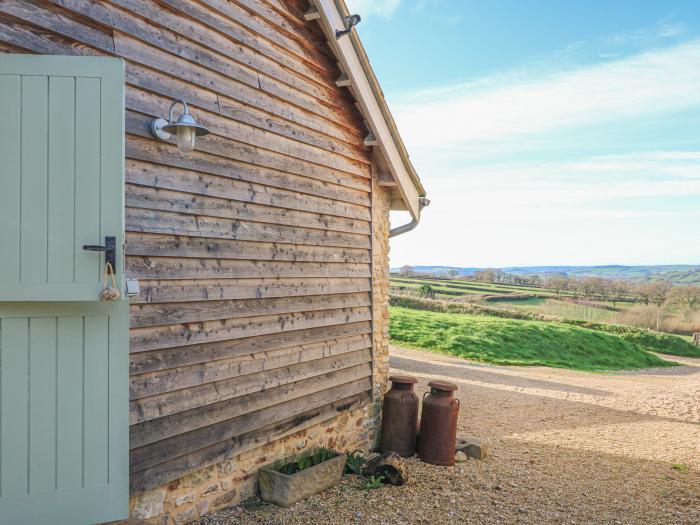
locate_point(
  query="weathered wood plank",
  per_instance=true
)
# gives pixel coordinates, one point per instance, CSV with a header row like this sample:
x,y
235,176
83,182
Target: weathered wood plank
x,y
181,202
165,14
232,29
59,21
207,159
171,223
353,188
146,457
175,268
126,26
154,291
144,339
177,467
238,376
157,395
254,90
197,182
290,342
155,106
318,133
9,48
38,40
293,32
308,52
147,432
148,244
143,315
228,384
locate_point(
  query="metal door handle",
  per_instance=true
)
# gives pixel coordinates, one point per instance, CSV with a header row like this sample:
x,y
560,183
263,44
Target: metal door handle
x,y
110,249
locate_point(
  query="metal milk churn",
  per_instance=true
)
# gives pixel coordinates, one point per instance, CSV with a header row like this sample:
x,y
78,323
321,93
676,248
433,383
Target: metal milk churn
x,y
438,424
399,414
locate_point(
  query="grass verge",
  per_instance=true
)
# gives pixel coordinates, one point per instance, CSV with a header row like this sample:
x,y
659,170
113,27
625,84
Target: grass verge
x,y
517,342
652,341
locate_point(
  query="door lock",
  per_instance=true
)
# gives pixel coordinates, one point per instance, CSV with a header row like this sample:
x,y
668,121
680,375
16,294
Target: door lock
x,y
110,249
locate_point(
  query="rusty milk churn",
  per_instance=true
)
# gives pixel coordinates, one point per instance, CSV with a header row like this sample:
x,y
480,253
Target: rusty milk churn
x,y
399,414
438,424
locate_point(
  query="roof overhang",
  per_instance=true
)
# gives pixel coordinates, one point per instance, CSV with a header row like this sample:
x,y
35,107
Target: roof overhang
x,y
364,85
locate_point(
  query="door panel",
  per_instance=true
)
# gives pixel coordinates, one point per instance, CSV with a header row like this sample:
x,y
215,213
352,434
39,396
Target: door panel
x,y
63,353
64,143
63,407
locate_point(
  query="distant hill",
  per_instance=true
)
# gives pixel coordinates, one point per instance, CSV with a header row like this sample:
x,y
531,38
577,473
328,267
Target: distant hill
x,y
676,273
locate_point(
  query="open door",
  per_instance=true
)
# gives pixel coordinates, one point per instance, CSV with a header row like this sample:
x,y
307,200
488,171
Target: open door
x,y
63,352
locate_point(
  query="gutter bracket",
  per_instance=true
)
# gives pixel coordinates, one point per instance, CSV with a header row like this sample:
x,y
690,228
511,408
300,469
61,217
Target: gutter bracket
x,y
399,230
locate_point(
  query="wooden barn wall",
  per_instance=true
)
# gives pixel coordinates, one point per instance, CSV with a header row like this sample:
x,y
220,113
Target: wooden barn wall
x,y
253,252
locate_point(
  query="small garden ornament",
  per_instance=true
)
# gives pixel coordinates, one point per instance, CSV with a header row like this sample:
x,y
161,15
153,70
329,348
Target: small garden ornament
x,y
109,292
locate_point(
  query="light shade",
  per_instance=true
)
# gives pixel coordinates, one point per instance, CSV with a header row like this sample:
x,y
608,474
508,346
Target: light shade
x,y
185,129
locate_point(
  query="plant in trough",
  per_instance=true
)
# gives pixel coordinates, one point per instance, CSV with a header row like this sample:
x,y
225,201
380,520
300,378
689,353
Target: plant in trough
x,y
355,463
303,461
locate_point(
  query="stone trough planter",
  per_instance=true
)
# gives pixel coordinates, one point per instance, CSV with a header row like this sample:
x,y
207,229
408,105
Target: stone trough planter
x,y
285,490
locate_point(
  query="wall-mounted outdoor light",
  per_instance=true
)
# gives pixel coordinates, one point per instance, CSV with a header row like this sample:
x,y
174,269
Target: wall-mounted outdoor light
x,y
350,22
185,129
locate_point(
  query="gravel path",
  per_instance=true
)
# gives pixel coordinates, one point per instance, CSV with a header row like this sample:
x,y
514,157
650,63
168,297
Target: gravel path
x,y
568,447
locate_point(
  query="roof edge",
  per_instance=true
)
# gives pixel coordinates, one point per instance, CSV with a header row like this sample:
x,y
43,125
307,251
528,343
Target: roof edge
x,y
351,54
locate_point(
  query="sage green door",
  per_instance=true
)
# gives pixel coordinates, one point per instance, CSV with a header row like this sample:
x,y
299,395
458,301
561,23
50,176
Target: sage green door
x,y
63,352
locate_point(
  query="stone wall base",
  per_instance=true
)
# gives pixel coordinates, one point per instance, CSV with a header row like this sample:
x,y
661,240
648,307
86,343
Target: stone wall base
x,y
235,480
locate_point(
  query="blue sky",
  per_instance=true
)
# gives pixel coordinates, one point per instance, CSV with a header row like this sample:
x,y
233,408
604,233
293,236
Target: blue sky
x,y
546,132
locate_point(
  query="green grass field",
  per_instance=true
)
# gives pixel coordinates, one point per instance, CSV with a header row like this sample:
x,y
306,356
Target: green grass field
x,y
517,342
567,309
658,342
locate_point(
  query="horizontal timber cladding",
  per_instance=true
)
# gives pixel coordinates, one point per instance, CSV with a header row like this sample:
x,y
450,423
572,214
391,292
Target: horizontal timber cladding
x,y
169,426
293,341
202,290
207,435
253,252
194,247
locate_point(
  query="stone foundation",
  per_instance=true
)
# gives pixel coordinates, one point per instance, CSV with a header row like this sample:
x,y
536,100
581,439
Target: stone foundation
x,y
235,480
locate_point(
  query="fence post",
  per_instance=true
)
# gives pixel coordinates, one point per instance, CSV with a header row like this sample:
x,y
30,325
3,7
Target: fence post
x,y
696,338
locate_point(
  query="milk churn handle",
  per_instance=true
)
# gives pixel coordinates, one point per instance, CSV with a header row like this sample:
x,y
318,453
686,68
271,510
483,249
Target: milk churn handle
x,y
458,403
425,394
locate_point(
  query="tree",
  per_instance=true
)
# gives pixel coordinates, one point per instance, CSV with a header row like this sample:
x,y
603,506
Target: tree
x,y
557,284
643,291
617,290
536,280
486,276
658,294
406,270
588,286
426,291
686,298
452,273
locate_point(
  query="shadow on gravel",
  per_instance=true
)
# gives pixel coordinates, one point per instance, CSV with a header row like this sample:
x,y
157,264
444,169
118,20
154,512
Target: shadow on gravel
x,y
484,375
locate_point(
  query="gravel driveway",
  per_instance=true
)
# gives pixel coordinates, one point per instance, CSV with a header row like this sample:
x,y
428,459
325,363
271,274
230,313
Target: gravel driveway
x,y
568,447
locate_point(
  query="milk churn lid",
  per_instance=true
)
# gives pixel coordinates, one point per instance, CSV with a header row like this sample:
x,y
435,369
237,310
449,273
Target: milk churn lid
x,y
408,380
443,385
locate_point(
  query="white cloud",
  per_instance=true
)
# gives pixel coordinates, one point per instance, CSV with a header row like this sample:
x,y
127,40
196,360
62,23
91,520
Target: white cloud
x,y
670,29
384,8
627,208
519,104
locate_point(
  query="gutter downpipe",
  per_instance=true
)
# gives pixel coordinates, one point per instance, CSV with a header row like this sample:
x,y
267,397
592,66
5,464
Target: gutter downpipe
x,y
399,230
